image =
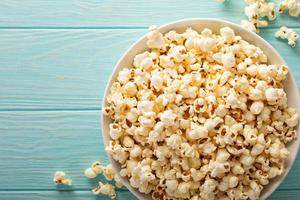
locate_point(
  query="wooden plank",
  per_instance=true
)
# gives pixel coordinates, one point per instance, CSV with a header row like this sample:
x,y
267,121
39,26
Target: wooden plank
x,y
121,195
94,13
69,69
53,69
36,144
63,195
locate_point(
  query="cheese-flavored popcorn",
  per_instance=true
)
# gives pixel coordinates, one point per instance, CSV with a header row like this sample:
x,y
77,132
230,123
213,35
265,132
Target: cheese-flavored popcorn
x,y
201,115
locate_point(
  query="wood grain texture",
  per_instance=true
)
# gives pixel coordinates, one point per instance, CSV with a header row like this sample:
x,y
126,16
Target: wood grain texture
x,y
121,195
68,69
36,144
55,59
95,13
62,195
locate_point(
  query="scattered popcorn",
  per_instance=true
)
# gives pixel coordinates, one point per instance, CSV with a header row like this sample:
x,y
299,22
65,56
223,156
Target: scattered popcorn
x,y
255,11
293,6
289,34
204,118
60,178
105,189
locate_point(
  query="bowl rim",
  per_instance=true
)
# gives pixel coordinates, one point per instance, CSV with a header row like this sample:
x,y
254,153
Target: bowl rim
x,y
164,28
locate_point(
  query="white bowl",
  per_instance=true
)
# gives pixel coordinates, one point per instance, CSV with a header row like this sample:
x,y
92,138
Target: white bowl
x,y
214,25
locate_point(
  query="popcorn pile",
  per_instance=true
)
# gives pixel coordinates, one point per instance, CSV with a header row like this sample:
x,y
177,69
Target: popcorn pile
x,y
200,116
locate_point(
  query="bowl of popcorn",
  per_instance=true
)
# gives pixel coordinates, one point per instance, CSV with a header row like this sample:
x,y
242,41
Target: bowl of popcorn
x,y
201,109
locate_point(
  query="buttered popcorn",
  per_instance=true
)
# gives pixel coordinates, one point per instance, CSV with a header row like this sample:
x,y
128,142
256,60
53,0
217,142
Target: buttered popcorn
x,y
200,116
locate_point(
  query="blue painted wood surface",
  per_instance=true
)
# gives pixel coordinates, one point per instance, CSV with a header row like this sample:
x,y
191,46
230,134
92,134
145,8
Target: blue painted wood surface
x,y
55,59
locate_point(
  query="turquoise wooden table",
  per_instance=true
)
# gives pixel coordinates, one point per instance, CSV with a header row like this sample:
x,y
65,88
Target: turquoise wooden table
x,y
55,59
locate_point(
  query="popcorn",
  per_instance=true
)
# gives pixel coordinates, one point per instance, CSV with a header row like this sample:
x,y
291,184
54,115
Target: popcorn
x,y
106,189
108,172
115,131
257,107
255,11
90,173
198,132
228,34
204,44
200,115
168,118
289,34
155,39
172,184
293,6
130,89
94,170
60,178
228,60
135,151
267,10
293,120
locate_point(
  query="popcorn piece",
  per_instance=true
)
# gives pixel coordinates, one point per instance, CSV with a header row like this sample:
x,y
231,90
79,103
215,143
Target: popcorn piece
x,y
293,120
168,118
155,39
228,60
204,44
108,172
198,132
253,25
90,173
60,178
115,131
228,34
267,9
289,34
105,189
293,6
94,170
257,107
